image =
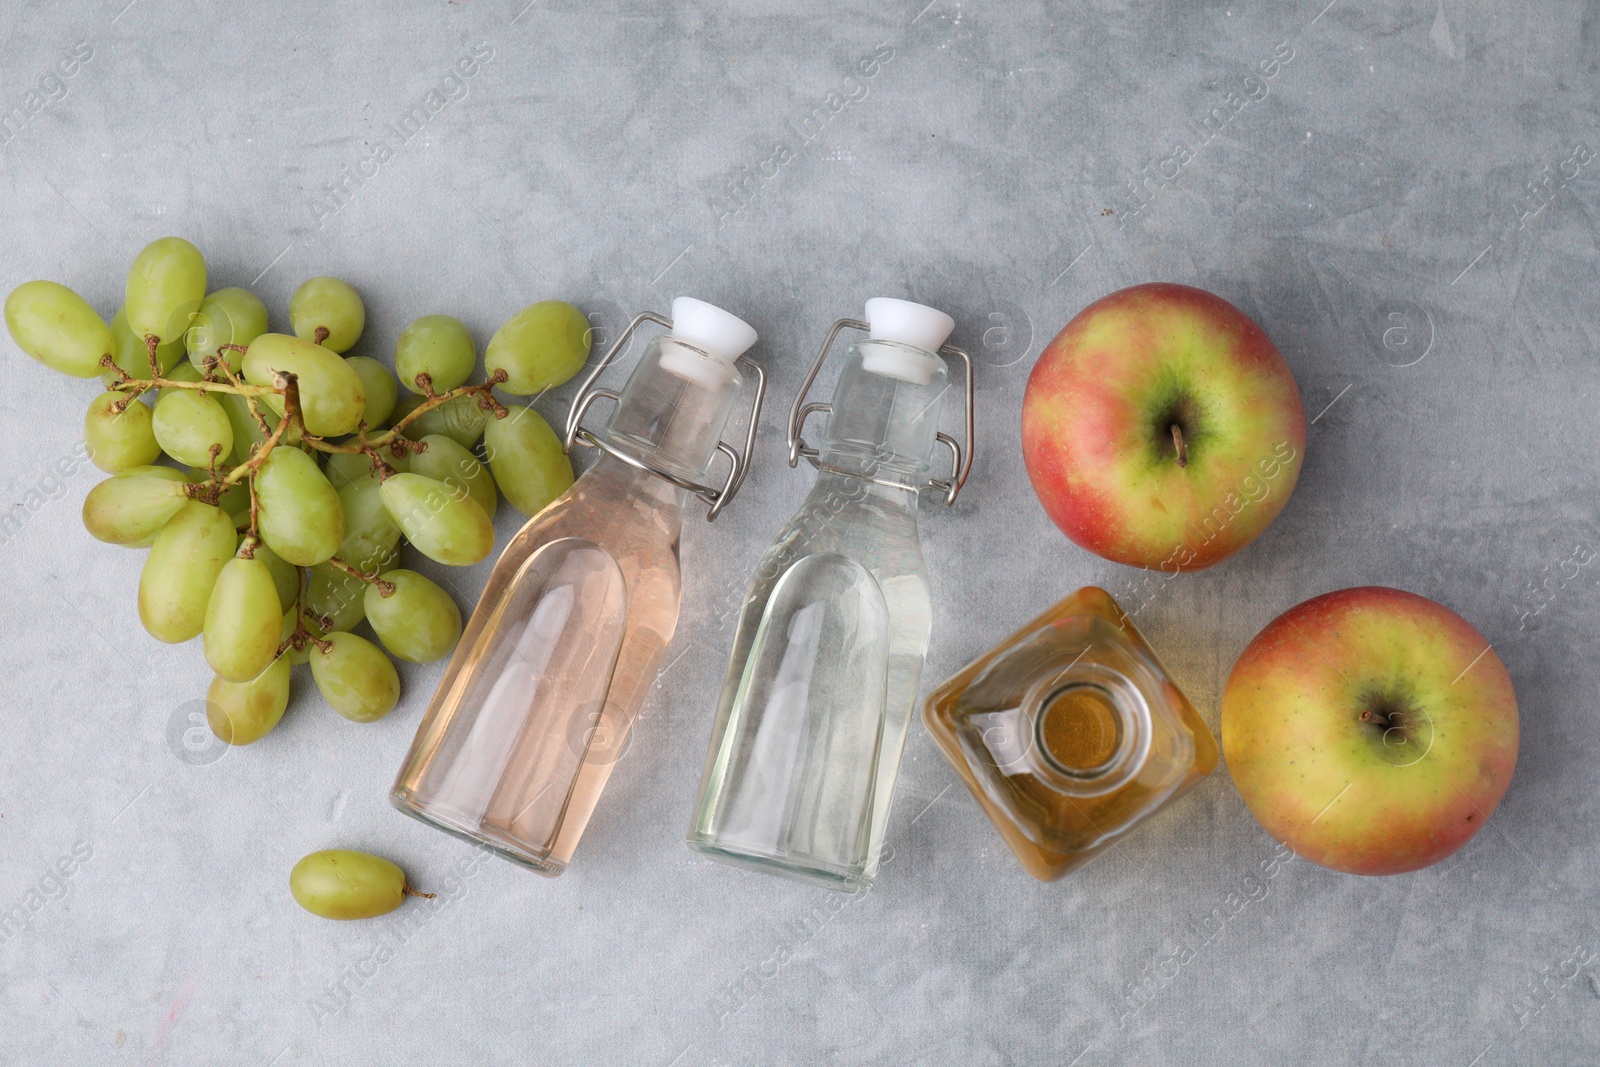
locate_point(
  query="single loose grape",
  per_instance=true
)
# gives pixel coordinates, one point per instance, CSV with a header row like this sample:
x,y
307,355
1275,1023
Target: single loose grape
x,y
183,564
445,527
299,515
438,346
370,545
58,328
418,622
226,317
332,400
241,625
379,387
133,506
188,424
355,677
247,432
539,347
243,712
166,284
119,440
449,462
461,419
130,354
339,883
525,454
329,304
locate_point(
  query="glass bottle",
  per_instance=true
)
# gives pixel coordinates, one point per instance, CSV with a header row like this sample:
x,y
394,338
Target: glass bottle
x,y
1070,733
830,643
536,703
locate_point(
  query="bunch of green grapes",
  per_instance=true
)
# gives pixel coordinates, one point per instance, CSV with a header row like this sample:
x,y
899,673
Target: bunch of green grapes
x,y
274,480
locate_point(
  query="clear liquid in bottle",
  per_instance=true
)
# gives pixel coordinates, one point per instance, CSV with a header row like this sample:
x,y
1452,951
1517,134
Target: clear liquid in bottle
x,y
834,630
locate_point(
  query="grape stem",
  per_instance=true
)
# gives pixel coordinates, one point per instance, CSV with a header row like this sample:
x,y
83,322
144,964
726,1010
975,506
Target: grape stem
x,y
385,589
406,890
255,519
301,637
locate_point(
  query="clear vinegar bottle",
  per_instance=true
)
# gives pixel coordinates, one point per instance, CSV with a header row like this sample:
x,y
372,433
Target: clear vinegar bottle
x,y
536,703
830,643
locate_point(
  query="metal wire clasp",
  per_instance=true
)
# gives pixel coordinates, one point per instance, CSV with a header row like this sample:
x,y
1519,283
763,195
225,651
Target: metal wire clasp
x,y
960,459
739,461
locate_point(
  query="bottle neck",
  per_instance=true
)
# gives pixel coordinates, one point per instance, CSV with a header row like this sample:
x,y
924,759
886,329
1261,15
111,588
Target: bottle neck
x,y
673,410
836,489
884,420
1091,729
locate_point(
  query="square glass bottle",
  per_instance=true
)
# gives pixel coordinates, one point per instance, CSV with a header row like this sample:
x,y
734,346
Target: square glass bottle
x,y
1070,733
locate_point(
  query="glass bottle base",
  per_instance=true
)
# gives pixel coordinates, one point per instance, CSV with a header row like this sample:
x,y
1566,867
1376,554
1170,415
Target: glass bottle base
x,y
504,849
840,879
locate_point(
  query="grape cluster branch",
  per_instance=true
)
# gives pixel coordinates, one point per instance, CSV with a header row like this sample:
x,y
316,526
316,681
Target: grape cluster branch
x,y
218,376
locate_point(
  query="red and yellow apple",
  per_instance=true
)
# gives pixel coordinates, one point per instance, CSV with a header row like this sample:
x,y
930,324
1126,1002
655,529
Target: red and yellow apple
x,y
1371,730
1161,428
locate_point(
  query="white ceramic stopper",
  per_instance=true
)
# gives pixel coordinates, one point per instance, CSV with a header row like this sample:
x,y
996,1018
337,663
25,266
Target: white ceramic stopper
x,y
915,325
718,339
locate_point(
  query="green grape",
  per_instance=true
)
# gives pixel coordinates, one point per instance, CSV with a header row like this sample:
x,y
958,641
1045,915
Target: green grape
x,y
242,616
166,284
285,576
460,419
379,387
331,398
58,328
299,514
180,570
539,347
133,506
443,526
448,462
355,677
130,354
333,595
226,317
438,346
247,433
119,440
189,424
369,531
352,468
332,305
346,468
370,545
418,622
243,712
337,883
525,454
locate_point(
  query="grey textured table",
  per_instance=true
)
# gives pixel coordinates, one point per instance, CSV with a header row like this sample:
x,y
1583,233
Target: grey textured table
x,y
1367,202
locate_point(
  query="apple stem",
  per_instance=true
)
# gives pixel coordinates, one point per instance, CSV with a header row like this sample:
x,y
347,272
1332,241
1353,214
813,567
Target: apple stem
x,y
1379,720
1178,445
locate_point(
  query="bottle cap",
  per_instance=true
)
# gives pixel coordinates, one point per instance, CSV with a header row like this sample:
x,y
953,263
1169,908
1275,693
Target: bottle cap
x,y
922,328
718,337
